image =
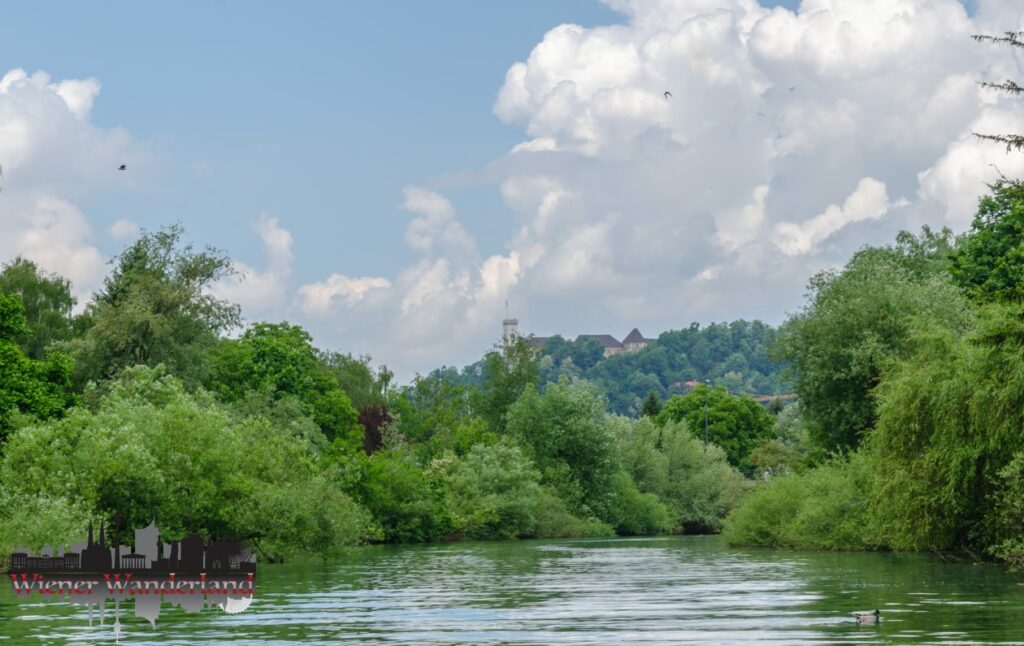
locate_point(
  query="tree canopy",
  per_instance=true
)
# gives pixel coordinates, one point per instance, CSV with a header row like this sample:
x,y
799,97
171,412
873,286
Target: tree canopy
x,y
737,424
47,301
856,323
155,308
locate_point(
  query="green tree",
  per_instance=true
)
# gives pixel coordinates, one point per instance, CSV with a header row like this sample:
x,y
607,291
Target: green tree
x,y
149,448
695,483
822,508
950,420
495,493
586,352
407,502
40,389
557,348
856,323
47,300
279,359
652,405
434,404
789,450
356,378
567,434
736,424
155,308
989,261
507,373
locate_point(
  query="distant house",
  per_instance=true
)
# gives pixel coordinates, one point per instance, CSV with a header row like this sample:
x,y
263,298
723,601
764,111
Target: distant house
x,y
634,341
607,341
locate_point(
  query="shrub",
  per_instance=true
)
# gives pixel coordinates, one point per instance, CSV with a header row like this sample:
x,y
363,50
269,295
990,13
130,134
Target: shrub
x,y
695,483
822,508
150,449
633,512
495,493
405,501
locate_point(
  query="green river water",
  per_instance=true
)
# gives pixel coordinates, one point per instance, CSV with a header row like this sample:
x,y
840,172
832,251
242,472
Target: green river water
x,y
623,591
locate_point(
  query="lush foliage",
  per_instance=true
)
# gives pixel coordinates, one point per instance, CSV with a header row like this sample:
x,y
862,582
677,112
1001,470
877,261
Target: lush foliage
x,y
989,263
47,301
155,308
280,360
731,355
151,450
736,424
856,323
37,389
694,481
823,508
922,383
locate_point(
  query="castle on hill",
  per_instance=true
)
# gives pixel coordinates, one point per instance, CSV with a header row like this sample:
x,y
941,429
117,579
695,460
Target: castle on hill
x,y
634,341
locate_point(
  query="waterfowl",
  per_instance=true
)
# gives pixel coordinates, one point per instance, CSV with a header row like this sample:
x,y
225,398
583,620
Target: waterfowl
x,y
867,617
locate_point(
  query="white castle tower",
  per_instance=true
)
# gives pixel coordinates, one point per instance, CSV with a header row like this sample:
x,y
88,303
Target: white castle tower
x,y
509,327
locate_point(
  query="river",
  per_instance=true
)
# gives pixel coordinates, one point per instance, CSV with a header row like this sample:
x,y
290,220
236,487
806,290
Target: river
x,y
648,590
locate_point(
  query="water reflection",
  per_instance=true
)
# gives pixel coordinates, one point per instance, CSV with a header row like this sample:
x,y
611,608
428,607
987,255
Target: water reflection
x,y
661,590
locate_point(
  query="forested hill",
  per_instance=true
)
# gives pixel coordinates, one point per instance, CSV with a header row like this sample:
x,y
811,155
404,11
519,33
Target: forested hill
x,y
732,355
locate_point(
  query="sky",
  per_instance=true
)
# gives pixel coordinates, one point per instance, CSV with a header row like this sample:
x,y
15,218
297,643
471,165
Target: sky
x,y
388,174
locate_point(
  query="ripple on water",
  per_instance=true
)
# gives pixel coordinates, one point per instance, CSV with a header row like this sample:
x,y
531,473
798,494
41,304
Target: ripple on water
x,y
664,590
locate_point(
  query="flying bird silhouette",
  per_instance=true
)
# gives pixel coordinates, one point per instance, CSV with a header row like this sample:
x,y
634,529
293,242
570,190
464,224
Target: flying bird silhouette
x,y
667,94
122,167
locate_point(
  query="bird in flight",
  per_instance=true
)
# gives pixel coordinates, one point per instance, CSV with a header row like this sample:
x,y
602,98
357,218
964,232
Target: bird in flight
x,y
667,94
122,167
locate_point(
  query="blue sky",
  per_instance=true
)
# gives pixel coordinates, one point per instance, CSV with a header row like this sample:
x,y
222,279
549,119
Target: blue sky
x,y
318,113
374,139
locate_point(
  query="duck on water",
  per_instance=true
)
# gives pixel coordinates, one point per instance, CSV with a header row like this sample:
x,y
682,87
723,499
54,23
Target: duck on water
x,y
871,617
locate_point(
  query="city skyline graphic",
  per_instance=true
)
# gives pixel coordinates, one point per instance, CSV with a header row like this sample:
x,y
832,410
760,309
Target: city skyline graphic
x,y
147,553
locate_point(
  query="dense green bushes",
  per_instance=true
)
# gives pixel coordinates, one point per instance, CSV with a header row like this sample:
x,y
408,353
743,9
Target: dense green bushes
x,y
823,508
695,482
736,424
151,450
936,438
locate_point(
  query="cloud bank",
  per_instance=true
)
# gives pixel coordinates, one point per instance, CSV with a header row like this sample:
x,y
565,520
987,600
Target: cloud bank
x,y
52,156
789,140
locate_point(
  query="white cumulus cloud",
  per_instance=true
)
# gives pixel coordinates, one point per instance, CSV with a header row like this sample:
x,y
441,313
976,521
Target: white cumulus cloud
x,y
261,291
869,201
52,156
786,143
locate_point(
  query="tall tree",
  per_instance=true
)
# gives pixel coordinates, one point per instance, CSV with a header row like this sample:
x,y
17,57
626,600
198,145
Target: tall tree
x,y
567,433
856,323
280,360
736,424
154,308
989,261
47,301
507,372
652,405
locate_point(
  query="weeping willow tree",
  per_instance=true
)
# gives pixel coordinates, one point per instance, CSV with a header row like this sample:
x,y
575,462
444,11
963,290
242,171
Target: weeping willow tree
x,y
948,447
1013,39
